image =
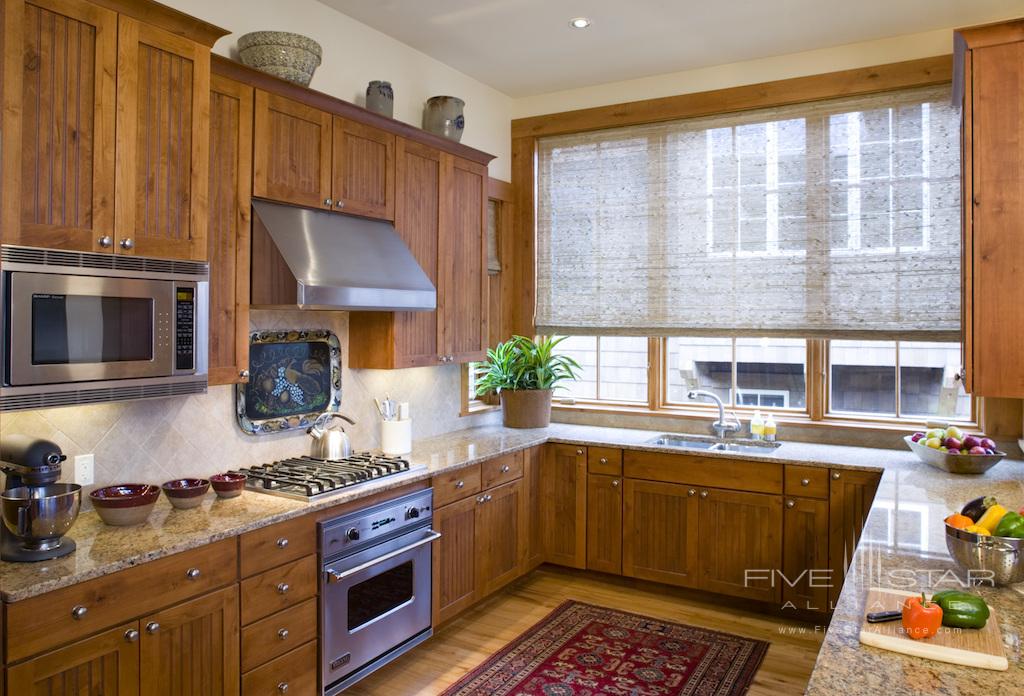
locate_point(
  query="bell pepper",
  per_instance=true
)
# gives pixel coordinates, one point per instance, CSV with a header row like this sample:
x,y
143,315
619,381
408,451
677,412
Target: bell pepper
x,y
959,521
992,517
921,618
976,529
1012,525
961,609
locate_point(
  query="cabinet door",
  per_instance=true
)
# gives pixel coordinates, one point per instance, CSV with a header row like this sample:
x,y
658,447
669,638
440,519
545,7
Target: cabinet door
x,y
104,665
228,228
163,131
806,577
291,152
604,523
58,124
532,459
363,168
564,505
192,648
454,559
742,547
850,495
462,288
659,532
499,536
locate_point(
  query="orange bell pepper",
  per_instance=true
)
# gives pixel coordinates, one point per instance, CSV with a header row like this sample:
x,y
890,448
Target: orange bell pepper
x,y
959,521
921,618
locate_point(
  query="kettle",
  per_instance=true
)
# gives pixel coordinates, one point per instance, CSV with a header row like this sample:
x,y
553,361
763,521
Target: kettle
x,y
330,444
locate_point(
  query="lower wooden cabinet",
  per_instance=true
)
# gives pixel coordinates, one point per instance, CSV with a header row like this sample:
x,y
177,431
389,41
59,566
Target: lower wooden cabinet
x,y
563,500
660,537
499,537
454,559
604,523
295,673
850,494
805,569
532,459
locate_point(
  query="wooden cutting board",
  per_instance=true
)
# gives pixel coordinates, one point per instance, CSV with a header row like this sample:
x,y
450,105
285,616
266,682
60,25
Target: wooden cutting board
x,y
973,648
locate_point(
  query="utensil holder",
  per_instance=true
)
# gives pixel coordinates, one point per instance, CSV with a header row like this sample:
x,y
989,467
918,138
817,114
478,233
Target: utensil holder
x,y
396,437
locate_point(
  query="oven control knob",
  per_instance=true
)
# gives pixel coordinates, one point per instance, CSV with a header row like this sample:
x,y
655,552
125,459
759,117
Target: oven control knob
x,y
412,513
352,534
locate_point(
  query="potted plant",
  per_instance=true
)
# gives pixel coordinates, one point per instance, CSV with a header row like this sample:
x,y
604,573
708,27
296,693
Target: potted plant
x,y
524,373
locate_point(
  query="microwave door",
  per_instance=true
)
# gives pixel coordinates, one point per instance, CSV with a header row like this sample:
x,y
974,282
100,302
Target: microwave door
x,y
69,328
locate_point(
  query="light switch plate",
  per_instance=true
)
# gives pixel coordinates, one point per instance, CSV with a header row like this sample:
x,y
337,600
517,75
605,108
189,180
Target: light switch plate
x,y
84,469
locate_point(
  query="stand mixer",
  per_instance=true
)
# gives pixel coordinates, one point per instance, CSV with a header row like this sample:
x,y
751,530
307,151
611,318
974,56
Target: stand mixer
x,y
36,510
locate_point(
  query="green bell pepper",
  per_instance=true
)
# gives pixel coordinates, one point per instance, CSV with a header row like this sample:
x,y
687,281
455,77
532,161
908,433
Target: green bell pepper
x,y
961,609
1011,525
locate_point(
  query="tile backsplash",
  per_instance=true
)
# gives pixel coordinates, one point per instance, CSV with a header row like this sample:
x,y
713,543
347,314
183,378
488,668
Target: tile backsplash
x,y
156,440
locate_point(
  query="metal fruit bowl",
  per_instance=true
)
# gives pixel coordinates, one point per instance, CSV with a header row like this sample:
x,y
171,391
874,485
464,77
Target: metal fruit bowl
x,y
995,558
954,463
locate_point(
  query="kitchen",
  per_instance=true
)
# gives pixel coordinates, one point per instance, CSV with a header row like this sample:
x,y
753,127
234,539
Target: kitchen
x,y
314,250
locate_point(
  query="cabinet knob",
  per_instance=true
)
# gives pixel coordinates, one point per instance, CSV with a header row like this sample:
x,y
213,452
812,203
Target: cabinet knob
x,y
959,376
579,451
105,241
487,498
131,635
78,612
244,374
615,483
805,482
328,202
479,499
127,243
282,588
460,484
691,493
339,204
703,494
282,543
505,469
835,475
192,573
152,627
791,504
603,460
283,633
283,687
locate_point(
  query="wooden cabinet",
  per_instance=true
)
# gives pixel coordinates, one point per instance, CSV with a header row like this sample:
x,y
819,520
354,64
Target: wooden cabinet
x,y
500,537
295,673
660,537
805,568
563,500
850,496
454,559
363,170
532,459
192,648
291,152
604,523
228,228
990,78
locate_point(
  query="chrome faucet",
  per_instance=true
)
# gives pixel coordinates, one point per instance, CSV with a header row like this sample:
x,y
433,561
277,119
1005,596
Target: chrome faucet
x,y
722,427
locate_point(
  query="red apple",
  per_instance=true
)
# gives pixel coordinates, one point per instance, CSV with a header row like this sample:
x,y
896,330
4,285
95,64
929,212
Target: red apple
x,y
978,450
953,444
988,443
916,436
971,441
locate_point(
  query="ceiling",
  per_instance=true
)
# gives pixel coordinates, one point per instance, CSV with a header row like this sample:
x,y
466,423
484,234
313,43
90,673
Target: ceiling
x,y
525,47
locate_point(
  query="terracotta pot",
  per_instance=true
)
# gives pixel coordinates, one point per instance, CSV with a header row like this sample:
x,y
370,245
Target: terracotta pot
x,y
530,408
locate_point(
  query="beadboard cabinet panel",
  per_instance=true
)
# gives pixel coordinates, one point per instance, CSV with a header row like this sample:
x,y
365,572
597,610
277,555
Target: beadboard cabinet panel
x,y
291,152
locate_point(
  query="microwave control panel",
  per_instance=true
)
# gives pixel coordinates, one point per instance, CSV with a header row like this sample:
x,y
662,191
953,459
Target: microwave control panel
x,y
185,328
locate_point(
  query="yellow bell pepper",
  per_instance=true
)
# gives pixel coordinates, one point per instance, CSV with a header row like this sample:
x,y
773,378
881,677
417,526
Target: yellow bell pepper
x,y
976,529
991,518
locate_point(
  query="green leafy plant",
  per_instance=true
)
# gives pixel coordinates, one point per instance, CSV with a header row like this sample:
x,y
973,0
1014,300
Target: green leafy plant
x,y
520,363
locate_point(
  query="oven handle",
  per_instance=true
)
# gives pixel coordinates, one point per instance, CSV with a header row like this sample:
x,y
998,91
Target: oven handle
x,y
339,575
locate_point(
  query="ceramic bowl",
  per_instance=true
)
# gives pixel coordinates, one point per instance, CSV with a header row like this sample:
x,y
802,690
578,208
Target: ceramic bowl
x,y
953,463
124,504
292,57
186,493
228,485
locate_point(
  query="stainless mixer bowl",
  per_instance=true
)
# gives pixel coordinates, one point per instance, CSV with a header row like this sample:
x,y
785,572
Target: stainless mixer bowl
x,y
41,515
1000,559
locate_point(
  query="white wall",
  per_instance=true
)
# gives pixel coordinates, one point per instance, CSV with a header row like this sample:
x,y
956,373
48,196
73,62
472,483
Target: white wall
x,y
354,54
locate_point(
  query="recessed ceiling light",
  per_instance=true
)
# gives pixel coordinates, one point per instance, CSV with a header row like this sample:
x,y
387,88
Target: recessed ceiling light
x,y
579,23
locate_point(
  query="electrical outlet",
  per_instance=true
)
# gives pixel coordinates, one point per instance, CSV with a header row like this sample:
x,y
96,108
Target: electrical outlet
x,y
84,469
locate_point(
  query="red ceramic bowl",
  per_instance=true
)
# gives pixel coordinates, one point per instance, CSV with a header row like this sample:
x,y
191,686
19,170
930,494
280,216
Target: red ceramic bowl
x,y
186,493
124,504
228,485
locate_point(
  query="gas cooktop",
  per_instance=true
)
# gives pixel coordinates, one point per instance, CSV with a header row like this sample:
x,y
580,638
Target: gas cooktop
x,y
309,478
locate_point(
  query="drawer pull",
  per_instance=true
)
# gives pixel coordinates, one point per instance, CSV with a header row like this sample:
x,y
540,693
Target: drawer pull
x,y
192,573
283,687
78,612
282,543
805,482
460,484
791,504
131,635
282,634
505,469
283,588
152,627
603,460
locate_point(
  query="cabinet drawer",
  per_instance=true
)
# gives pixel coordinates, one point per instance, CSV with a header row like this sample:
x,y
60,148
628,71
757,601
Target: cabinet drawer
x,y
278,588
604,460
277,634
271,546
456,485
46,621
503,469
806,481
294,673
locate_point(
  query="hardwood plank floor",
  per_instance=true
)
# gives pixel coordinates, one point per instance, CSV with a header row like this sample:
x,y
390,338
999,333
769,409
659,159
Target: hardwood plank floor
x,y
481,631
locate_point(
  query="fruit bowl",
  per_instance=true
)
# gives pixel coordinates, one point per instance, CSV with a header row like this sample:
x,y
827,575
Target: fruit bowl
x,y
953,463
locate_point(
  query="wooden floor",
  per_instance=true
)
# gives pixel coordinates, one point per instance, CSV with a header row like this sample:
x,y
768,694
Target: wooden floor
x,y
483,630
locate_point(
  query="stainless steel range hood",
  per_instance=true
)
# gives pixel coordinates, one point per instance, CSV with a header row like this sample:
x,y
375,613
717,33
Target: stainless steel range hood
x,y
337,262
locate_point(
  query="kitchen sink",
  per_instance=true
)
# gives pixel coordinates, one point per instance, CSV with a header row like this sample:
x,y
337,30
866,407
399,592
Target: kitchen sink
x,y
702,442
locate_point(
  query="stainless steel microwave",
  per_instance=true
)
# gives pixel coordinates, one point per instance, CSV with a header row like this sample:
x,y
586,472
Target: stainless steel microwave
x,y
84,328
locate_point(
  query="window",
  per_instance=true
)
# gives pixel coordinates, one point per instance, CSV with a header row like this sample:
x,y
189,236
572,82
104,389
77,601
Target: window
x,y
614,368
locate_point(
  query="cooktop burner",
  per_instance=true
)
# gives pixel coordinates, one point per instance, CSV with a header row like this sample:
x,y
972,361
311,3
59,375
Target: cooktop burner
x,y
309,478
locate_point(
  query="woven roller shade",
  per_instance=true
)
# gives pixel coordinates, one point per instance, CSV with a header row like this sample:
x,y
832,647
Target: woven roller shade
x,y
838,218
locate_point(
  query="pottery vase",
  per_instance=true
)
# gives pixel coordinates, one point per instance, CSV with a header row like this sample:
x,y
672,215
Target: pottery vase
x,y
443,116
528,408
380,98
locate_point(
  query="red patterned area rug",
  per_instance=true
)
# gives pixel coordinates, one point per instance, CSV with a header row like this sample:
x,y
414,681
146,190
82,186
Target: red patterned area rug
x,y
585,650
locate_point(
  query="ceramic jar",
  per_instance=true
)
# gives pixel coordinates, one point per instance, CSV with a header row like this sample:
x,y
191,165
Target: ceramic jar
x,y
443,116
380,98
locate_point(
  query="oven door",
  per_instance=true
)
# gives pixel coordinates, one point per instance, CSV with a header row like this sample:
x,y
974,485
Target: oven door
x,y
375,604
74,328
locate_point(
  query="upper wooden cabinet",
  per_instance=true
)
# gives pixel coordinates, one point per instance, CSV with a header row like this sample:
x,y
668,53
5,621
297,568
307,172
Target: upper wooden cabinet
x,y
363,170
990,77
291,152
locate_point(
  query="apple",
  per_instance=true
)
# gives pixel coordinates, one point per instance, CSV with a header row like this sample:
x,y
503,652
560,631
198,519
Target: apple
x,y
978,450
988,443
916,436
952,443
954,432
935,432
970,442
933,442
963,451
943,449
